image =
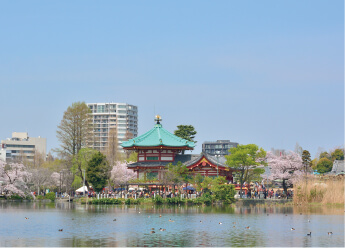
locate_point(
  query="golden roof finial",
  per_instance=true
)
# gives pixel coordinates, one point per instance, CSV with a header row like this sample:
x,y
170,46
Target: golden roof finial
x,y
158,119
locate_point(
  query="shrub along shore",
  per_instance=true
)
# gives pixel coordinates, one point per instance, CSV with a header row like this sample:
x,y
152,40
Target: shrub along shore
x,y
158,200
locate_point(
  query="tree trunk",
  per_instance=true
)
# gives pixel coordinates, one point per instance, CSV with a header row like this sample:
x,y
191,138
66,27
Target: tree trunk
x,y
241,189
241,182
284,187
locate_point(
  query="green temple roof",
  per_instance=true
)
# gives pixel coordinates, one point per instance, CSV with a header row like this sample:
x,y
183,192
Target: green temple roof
x,y
158,136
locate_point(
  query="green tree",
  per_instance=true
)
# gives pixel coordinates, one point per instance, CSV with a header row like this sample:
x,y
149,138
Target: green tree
x,y
337,154
179,173
223,191
80,163
186,132
324,165
98,171
206,184
75,130
197,180
306,160
314,163
325,155
254,175
133,157
245,158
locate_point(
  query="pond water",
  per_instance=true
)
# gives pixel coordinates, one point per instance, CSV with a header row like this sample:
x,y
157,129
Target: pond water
x,y
189,226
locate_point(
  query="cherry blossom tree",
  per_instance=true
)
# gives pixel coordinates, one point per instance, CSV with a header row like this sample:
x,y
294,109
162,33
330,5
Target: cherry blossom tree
x,y
288,168
121,175
55,179
14,177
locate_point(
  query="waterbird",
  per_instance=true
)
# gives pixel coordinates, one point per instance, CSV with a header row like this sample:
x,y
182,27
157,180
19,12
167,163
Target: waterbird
x,y
171,220
153,232
114,219
247,227
330,233
234,227
60,230
26,218
160,215
309,234
152,228
220,223
308,220
292,229
268,214
200,221
233,222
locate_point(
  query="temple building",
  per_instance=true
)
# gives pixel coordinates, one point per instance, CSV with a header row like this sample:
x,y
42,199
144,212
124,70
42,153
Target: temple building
x,y
158,147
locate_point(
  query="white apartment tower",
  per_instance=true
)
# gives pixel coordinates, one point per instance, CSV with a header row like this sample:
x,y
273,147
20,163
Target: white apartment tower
x,y
121,117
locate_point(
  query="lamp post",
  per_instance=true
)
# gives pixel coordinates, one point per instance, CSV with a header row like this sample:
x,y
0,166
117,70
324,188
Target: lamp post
x,y
84,182
60,184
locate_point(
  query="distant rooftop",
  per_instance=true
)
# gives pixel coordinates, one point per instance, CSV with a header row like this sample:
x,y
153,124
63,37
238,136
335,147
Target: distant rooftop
x,y
218,141
338,167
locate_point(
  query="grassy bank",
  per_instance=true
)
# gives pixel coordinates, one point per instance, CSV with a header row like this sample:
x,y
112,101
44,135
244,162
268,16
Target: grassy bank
x,y
320,191
152,201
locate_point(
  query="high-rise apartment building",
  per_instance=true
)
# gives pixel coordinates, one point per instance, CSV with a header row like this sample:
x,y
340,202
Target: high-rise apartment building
x,y
22,147
122,118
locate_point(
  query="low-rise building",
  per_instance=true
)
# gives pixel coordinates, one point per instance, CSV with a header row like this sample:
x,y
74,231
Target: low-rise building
x,y
3,152
22,147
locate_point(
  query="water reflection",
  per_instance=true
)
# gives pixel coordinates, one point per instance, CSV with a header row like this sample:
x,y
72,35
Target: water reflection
x,y
95,225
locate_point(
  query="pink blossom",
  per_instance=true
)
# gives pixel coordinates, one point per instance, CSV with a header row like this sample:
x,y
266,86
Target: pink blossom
x,y
287,168
121,175
14,177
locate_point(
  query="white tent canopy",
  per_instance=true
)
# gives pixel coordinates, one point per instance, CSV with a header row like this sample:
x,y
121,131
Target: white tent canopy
x,y
82,189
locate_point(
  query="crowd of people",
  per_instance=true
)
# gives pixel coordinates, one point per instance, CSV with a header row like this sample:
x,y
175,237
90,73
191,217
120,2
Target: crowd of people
x,y
249,191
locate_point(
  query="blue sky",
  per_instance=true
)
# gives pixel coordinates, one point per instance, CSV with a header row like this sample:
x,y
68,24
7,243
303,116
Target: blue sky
x,y
263,72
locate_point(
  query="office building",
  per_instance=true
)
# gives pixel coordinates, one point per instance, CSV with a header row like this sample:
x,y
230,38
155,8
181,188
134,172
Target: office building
x,y
22,147
121,118
219,147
